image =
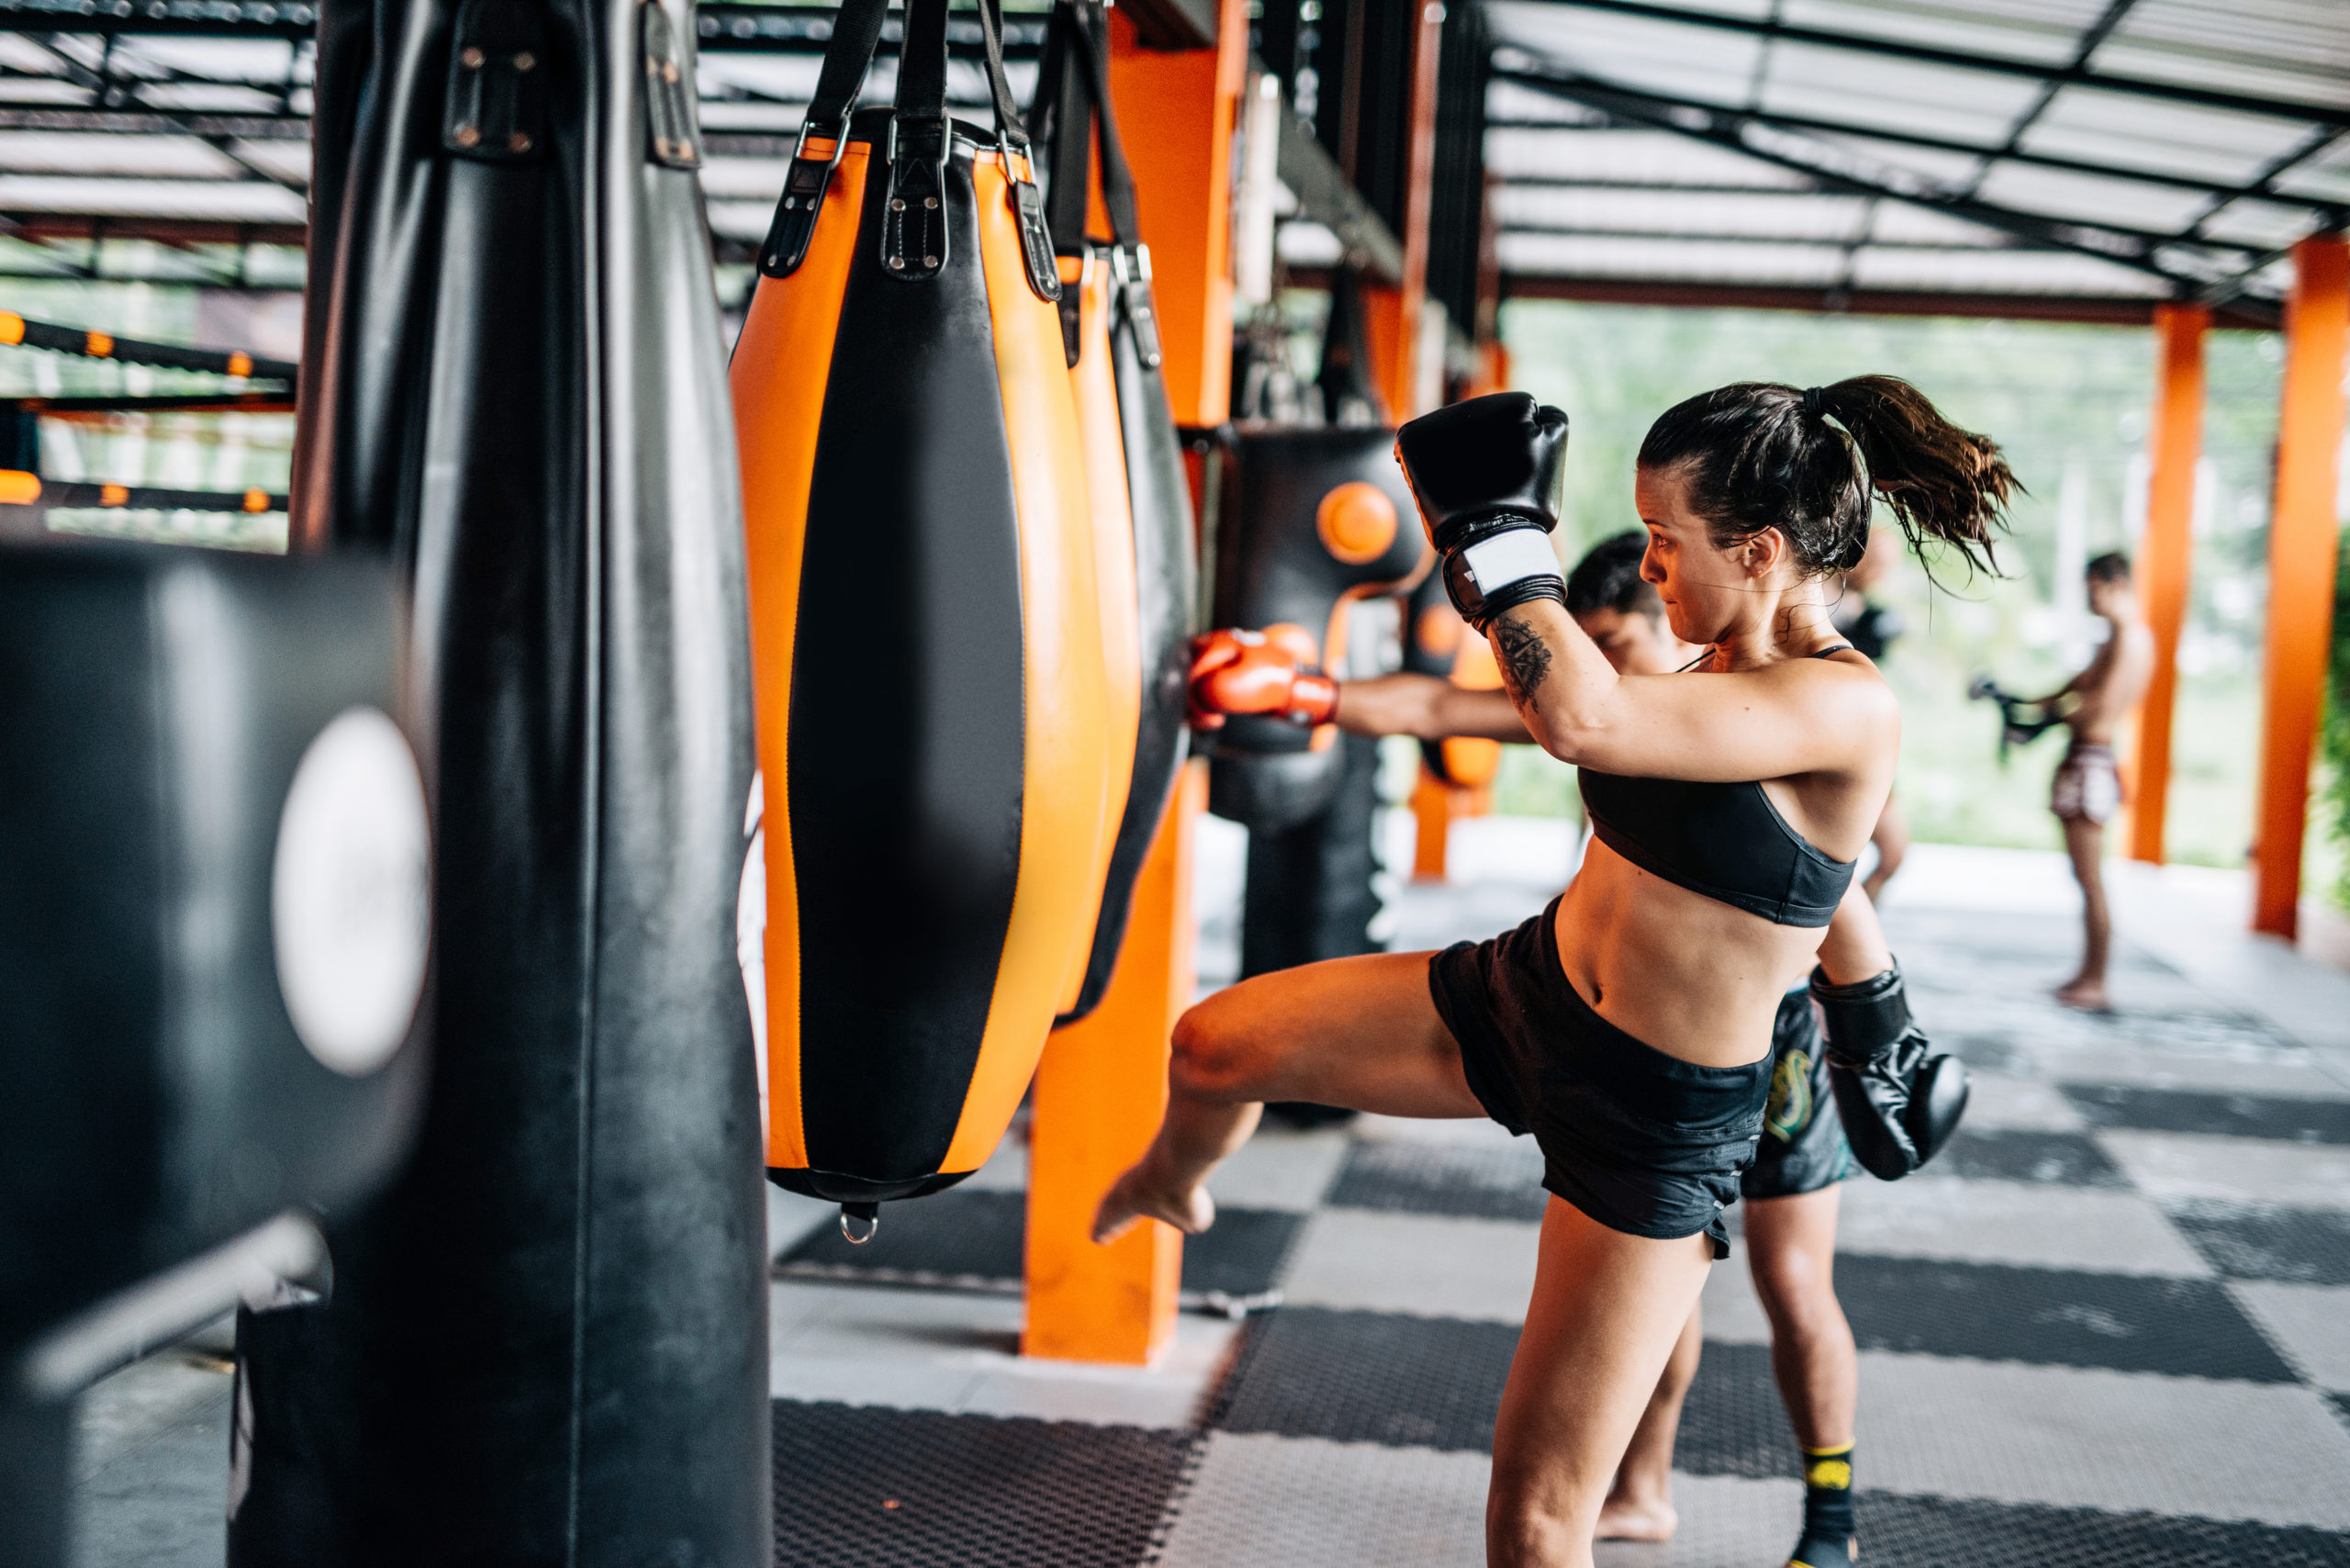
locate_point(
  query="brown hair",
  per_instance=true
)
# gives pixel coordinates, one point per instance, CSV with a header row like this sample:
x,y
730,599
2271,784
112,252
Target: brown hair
x,y
1758,455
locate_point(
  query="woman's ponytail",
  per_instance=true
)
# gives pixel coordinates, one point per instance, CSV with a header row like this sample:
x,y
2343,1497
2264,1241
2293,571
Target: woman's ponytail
x,y
1942,483
1811,462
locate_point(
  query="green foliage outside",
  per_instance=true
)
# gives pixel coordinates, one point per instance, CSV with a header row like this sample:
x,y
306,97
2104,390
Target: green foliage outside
x,y
2070,405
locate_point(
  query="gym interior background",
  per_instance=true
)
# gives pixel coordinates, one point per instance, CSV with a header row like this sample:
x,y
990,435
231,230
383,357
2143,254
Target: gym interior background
x,y
2107,231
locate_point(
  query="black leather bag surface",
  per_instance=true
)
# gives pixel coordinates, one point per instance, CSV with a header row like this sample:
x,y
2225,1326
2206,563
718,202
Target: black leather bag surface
x,y
546,1343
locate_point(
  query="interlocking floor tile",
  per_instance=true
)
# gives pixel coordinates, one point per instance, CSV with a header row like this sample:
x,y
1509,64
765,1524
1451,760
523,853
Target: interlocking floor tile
x,y
2001,1101
1502,1183
2014,1222
2090,1438
1280,1169
2072,1159
1948,1533
2252,1241
2189,1111
1262,1501
973,1240
854,1488
1428,1264
2282,1069
2178,1166
2310,1323
1373,1377
2055,1316
1734,1422
957,1352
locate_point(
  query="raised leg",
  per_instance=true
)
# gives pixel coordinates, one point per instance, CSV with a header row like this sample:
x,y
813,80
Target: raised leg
x,y
2085,842
1640,1505
1607,1312
1355,1032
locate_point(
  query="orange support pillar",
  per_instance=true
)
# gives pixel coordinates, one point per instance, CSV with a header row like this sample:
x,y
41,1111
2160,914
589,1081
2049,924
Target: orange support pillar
x,y
1099,1092
1432,816
1175,111
1392,313
2166,557
1101,1085
2301,543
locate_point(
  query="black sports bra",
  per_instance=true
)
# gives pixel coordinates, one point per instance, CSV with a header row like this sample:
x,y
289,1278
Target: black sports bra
x,y
1725,841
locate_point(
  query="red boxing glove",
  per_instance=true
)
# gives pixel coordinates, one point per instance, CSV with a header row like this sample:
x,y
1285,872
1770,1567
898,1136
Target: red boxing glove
x,y
1267,673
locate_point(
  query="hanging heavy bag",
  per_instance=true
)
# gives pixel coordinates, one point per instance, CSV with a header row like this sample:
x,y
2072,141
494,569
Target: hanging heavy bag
x,y
546,1342
932,726
1438,642
1309,522
1140,498
213,935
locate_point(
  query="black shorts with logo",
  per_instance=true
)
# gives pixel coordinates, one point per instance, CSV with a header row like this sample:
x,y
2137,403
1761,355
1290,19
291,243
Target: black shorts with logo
x,y
1803,1149
1642,1142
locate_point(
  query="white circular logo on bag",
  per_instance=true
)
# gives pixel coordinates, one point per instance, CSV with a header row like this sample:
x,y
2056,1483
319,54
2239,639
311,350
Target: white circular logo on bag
x,y
349,892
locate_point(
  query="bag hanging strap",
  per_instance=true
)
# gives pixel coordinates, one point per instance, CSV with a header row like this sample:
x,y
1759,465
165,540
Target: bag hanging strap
x,y
848,56
1019,161
1129,258
913,224
1345,376
1076,72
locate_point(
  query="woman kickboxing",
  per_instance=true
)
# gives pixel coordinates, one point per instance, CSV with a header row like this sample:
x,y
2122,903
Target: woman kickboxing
x,y
1629,1027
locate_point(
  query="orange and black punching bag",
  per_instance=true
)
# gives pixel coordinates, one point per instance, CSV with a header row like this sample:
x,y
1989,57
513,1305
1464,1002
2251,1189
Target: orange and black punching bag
x,y
1438,642
933,711
545,1343
1309,520
1138,492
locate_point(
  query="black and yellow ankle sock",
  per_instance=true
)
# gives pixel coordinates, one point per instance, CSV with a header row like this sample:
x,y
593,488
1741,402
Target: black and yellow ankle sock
x,y
1828,1527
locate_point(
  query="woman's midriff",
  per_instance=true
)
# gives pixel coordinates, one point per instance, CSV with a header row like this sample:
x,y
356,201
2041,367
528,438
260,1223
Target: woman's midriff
x,y
1690,976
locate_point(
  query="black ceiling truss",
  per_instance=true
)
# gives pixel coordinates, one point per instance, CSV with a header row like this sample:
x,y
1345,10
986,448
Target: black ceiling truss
x,y
2092,38
2192,266
2074,75
114,91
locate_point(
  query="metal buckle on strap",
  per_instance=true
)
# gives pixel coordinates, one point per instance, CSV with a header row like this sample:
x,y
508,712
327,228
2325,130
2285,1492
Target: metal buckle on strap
x,y
914,228
1028,206
1130,271
805,185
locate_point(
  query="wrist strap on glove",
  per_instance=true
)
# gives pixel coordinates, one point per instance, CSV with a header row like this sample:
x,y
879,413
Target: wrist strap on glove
x,y
1500,568
1864,1020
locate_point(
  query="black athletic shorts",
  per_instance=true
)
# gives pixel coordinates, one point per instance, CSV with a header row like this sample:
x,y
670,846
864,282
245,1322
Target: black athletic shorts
x,y
1803,1147
1642,1142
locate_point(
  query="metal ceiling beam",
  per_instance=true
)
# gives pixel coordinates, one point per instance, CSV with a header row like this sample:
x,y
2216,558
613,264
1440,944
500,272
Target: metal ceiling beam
x,y
2087,308
1737,131
1821,242
2091,37
2062,76
105,82
1942,144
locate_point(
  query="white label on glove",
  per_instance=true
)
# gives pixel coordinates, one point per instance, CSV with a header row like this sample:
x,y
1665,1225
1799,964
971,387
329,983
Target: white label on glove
x,y
349,913
1506,558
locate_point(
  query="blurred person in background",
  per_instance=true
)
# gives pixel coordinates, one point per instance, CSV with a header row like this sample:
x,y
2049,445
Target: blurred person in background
x,y
1871,625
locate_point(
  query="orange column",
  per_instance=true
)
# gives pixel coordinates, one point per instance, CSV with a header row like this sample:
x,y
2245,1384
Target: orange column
x,y
1392,314
1432,815
1175,112
2166,557
2301,536
1099,1092
1102,1086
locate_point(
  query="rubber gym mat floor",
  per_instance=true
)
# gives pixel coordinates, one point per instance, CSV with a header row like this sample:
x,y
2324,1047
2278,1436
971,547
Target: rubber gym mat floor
x,y
2110,1325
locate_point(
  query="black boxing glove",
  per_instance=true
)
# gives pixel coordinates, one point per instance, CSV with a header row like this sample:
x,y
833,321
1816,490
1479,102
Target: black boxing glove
x,y
1899,1102
1485,473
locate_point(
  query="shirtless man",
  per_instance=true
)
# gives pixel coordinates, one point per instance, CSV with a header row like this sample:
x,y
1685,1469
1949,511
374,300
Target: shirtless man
x,y
1790,1191
2087,787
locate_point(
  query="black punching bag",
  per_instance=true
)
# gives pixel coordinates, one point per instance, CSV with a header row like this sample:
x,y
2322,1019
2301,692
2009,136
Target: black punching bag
x,y
213,940
545,1343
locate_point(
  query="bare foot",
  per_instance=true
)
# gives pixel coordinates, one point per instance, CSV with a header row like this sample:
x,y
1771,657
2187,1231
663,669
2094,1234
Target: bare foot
x,y
1621,1518
2084,996
1140,1195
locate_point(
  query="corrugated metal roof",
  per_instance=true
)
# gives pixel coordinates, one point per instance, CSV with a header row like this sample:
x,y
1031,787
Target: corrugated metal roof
x,y
2092,150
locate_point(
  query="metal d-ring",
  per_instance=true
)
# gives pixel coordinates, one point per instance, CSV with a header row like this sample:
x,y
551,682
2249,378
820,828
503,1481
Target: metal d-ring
x,y
859,1222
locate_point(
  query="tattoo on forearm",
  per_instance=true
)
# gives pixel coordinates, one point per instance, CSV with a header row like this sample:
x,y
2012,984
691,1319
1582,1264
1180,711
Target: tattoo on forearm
x,y
1525,659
